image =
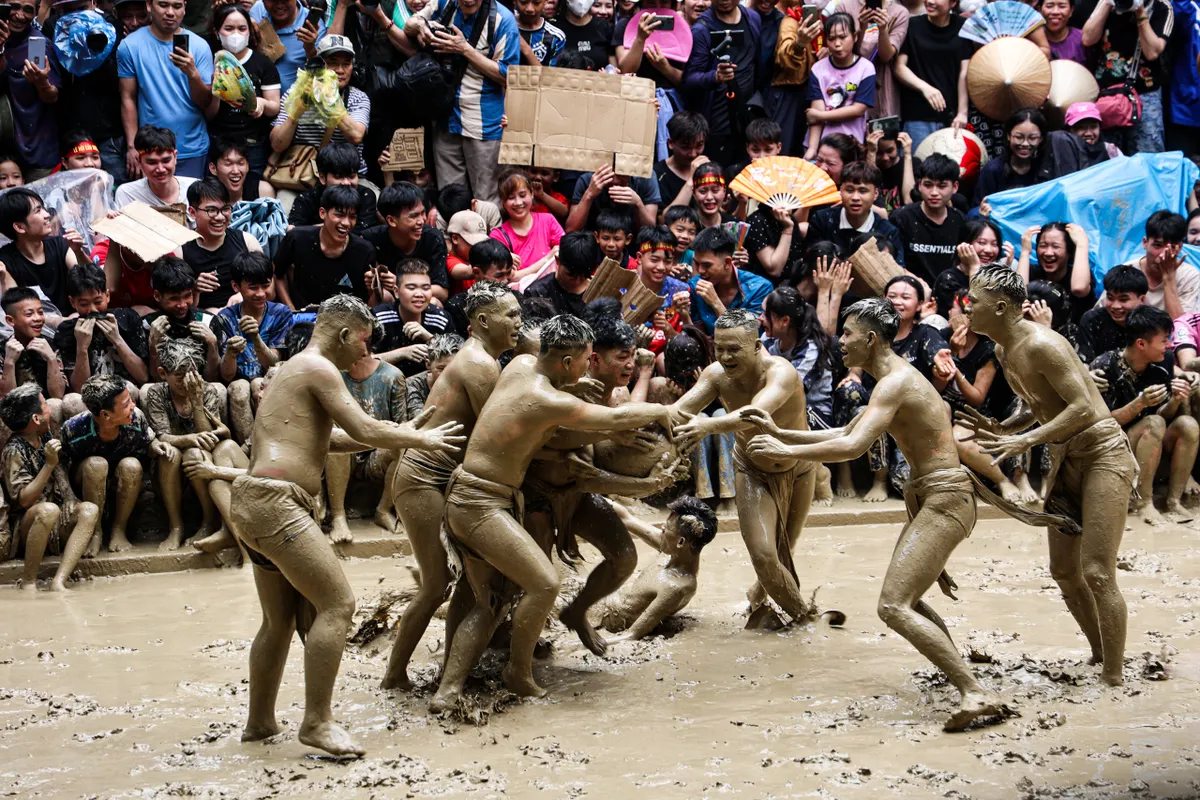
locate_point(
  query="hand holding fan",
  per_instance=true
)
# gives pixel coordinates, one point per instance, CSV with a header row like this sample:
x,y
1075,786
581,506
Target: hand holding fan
x,y
786,182
232,83
1001,18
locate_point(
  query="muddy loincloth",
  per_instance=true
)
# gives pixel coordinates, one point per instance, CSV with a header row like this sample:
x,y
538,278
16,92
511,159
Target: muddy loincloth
x,y
467,491
423,469
779,488
1103,447
945,493
561,503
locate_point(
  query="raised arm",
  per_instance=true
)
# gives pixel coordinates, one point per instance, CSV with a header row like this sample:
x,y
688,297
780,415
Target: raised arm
x,y
855,438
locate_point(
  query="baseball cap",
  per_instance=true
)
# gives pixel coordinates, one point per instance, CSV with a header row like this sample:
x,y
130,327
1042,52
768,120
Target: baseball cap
x,y
469,225
1082,111
334,43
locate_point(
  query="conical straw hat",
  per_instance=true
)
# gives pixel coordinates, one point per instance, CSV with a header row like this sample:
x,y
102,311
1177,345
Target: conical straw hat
x,y
1072,83
1007,75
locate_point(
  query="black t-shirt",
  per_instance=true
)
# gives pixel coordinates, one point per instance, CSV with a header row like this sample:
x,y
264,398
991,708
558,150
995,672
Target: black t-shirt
x,y
433,319
1078,305
234,123
593,40
743,55
1100,332
314,277
51,276
669,184
306,209
646,69
1118,44
978,357
564,302
935,55
431,248
919,348
765,231
219,261
102,354
929,248
1124,384
31,367
91,102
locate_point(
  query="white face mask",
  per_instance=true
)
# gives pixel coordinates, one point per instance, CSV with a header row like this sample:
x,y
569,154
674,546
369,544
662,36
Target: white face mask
x,y
579,7
235,42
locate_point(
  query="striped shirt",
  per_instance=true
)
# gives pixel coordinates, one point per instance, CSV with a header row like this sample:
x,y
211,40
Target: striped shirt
x,y
480,102
311,131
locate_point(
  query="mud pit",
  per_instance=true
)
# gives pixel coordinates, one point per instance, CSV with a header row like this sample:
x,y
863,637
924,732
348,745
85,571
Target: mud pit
x,y
136,687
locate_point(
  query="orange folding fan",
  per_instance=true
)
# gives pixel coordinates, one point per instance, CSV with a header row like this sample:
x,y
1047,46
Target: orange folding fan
x,y
786,182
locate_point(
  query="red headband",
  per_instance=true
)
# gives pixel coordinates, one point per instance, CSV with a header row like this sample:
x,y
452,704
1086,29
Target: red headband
x,y
86,147
712,179
648,247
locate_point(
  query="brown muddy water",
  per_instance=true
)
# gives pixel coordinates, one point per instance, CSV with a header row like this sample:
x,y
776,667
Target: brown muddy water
x,y
136,687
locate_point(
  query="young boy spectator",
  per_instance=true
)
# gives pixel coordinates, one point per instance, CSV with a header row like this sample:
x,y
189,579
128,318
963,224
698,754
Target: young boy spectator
x,y
684,224
1151,405
929,229
718,285
546,200
44,512
489,259
250,335
315,263
656,260
337,165
638,197
188,414
177,316
466,229
1103,328
841,87
211,256
112,438
412,320
442,348
35,258
406,234
100,341
764,138
578,257
614,233
687,133
28,355
379,389
856,215
1174,285
155,157
541,42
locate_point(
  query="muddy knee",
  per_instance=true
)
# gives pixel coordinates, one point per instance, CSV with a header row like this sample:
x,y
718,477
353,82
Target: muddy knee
x,y
86,513
223,453
891,610
45,514
94,472
194,455
1099,577
129,473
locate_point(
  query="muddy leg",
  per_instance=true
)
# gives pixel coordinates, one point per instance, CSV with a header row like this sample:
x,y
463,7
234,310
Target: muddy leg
x,y
241,417
226,454
337,479
129,484
1104,498
596,522
1183,436
462,600
384,514
35,529
93,476
981,464
170,484
211,520
471,636
87,517
268,655
1146,438
758,520
1066,567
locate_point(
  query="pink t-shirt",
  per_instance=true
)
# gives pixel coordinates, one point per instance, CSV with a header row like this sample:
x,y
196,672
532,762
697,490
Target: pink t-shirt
x,y
545,234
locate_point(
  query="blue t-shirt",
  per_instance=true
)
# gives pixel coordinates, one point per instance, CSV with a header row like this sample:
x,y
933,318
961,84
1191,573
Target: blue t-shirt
x,y
291,61
546,43
163,98
273,329
752,290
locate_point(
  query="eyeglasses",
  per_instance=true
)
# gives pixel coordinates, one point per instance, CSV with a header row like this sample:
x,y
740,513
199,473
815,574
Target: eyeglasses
x,y
215,211
1031,139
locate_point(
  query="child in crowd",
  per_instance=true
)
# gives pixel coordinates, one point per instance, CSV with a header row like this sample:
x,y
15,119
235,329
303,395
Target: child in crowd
x,y
44,512
541,42
412,320
764,138
28,355
489,260
211,256
416,387
177,316
1104,327
466,229
614,232
10,172
314,263
929,229
530,235
841,86
337,165
100,340
656,260
546,199
709,194
684,224
856,214
578,258
36,257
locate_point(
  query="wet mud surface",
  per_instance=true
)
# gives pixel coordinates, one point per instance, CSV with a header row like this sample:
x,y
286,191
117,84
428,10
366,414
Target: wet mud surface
x,y
135,687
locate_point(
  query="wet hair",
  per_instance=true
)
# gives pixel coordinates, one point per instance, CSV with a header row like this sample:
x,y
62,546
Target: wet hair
x,y
340,197
784,301
1061,227
697,521
571,58
178,356
451,199
862,171
99,392
208,189
657,235
847,147
763,131
612,333
510,182
85,278
687,127
612,220
252,267
908,280
1055,299
298,337
602,307
444,345
742,318
16,205
1168,226
714,240
340,160
1003,281
937,167
877,314
686,213
565,332
579,254
689,351
1126,279
220,13
18,407
840,18
411,266
344,311
171,274
1145,321
222,146
404,196
152,139
536,308
484,294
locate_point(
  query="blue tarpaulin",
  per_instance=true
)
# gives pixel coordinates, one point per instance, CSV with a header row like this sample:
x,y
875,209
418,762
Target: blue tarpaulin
x,y
1111,201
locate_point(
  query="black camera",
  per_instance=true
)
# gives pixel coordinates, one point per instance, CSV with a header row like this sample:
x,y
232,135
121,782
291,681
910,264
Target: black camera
x,y
1122,6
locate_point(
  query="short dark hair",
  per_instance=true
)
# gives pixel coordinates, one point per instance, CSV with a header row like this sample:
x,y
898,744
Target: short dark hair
x,y
579,254
822,248
18,294
602,307
411,266
908,280
1126,279
171,274
86,277
861,171
401,196
764,131
151,139
687,127
208,189
339,160
340,197
702,529
612,220
714,240
840,18
18,406
565,332
686,213
488,253
252,267
1145,321
937,167
99,392
222,146
612,333
1168,226
451,199
16,205
656,235
571,58
1002,280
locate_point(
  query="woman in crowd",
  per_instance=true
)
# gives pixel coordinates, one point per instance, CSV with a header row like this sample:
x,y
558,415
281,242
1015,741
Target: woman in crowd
x,y
1065,42
709,194
882,34
229,161
530,235
835,152
792,331
1024,133
1063,260
238,36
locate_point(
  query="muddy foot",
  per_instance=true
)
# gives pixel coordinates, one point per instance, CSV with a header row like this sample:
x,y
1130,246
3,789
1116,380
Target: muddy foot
x,y
878,493
385,520
215,543
332,738
1177,514
577,621
978,707
846,492
93,548
397,682
1113,680
118,543
29,587
1010,492
1029,495
173,542
1191,492
256,732
765,618
522,685
56,586
1151,516
823,495
444,701
339,530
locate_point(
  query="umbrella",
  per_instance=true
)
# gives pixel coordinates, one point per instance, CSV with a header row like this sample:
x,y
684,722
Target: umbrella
x,y
1073,83
1007,75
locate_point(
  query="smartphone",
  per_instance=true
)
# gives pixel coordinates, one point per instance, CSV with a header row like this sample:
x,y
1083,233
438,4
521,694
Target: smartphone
x,y
889,125
666,22
180,42
5,12
811,13
37,52
874,4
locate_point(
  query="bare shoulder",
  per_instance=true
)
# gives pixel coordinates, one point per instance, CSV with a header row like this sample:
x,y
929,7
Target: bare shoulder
x,y
783,370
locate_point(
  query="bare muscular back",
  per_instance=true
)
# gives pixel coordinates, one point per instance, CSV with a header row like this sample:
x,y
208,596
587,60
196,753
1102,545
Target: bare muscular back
x,y
463,388
920,426
291,429
1041,353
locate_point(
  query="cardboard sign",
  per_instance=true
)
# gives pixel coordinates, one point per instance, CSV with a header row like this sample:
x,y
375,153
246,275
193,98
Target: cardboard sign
x,y
873,269
638,303
407,150
268,41
144,230
572,119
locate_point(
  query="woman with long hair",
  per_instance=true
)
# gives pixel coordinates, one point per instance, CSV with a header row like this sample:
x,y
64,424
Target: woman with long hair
x,y
794,332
